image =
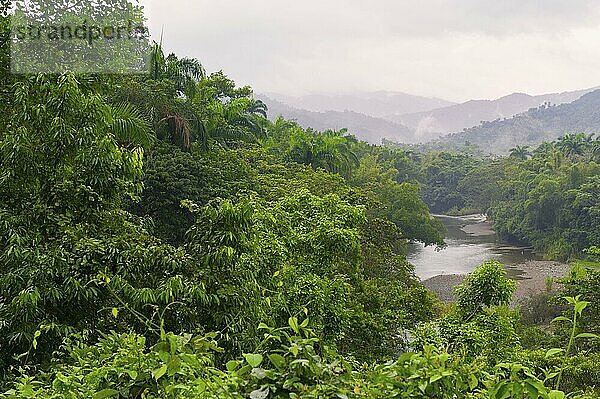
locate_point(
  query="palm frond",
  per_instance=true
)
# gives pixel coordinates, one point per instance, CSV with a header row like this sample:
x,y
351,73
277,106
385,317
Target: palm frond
x,y
129,126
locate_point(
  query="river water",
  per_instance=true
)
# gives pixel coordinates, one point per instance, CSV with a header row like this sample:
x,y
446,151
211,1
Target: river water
x,y
471,241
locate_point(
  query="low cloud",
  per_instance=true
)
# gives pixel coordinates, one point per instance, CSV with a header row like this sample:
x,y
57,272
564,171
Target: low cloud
x,y
455,49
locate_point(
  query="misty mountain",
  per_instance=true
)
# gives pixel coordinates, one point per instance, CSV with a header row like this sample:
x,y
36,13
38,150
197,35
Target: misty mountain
x,y
365,127
435,123
376,104
545,123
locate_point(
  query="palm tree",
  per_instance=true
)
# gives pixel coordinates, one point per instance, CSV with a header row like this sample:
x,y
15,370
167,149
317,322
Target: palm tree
x,y
281,127
520,152
257,107
165,98
330,150
544,149
574,145
240,119
185,73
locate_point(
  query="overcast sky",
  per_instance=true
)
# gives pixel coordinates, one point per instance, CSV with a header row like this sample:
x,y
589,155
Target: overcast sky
x,y
453,49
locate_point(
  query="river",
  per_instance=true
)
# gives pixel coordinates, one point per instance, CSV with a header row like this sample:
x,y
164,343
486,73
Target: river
x,y
471,241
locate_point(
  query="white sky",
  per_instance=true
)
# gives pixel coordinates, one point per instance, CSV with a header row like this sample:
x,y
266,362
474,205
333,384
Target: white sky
x,y
453,49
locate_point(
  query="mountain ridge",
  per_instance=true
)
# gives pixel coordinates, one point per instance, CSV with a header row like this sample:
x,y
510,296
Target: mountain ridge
x,y
365,127
376,104
432,125
436,123
545,123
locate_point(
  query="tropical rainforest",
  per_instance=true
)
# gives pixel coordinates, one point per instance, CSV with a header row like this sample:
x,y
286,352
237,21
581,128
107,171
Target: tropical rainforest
x,y
161,238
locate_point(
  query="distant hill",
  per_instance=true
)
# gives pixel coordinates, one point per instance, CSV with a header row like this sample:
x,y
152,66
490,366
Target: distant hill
x,y
376,104
435,123
368,128
533,127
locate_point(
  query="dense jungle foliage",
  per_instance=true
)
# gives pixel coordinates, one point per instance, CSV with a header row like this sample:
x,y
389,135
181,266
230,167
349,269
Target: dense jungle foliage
x,y
161,238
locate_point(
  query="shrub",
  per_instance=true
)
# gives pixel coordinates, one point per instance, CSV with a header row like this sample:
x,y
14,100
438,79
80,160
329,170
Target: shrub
x,y
487,286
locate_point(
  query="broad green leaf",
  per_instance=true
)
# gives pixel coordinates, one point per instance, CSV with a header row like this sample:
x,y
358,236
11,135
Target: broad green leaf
x,y
253,360
277,360
580,306
556,395
232,365
174,365
293,322
553,351
159,372
503,391
532,391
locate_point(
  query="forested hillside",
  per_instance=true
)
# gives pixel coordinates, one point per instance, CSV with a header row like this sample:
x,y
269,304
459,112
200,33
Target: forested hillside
x,y
545,123
454,118
160,237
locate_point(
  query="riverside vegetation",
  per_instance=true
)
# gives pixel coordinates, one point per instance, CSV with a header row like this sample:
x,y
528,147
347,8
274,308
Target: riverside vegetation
x,y
161,238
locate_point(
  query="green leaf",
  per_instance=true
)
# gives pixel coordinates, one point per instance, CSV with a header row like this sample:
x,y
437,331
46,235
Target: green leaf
x,y
556,395
253,360
532,391
132,374
587,335
105,393
277,360
159,372
580,306
232,365
571,300
294,349
561,318
503,391
174,365
293,322
553,351
115,312
473,382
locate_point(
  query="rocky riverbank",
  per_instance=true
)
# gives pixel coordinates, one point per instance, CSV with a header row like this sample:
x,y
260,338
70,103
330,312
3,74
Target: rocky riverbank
x,y
531,279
